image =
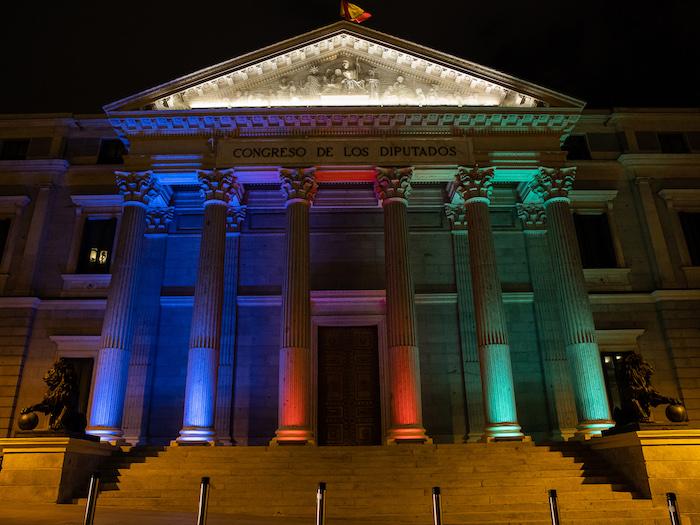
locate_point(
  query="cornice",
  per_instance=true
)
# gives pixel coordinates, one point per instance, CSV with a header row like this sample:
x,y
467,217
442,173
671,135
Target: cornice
x,y
34,166
634,160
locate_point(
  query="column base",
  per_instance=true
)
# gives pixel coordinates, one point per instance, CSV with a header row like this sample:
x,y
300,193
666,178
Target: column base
x,y
293,436
196,436
112,435
591,429
504,432
407,435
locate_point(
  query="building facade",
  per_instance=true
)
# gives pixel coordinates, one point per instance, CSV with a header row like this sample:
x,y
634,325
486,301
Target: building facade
x,y
347,238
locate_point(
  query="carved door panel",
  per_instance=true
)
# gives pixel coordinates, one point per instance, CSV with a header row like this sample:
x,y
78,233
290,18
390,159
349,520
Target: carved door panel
x,y
349,407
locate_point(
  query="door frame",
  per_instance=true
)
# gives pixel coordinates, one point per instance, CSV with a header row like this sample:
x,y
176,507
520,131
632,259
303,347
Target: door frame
x,y
350,308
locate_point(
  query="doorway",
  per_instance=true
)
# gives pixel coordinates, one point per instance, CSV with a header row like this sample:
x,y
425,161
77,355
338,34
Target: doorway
x,y
349,404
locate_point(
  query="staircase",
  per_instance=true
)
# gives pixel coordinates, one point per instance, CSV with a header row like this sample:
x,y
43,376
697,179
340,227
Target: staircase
x,y
481,483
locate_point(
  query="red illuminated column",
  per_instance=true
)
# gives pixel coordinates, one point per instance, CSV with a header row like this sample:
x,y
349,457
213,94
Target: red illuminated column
x,y
474,186
299,187
393,186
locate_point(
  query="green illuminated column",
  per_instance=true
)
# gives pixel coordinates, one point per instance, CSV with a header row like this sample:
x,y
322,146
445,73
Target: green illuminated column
x,y
393,186
467,334
560,395
299,187
553,185
474,186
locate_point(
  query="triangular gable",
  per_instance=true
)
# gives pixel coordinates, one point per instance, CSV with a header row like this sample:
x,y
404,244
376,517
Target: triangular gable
x,y
344,65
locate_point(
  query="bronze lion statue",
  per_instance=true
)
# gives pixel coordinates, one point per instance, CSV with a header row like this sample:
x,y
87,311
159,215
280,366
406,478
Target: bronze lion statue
x,y
60,402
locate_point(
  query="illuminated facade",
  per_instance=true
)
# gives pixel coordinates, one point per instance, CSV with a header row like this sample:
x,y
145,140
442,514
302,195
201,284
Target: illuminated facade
x,y
347,238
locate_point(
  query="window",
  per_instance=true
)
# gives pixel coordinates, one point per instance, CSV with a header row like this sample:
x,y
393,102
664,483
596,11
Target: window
x,y
647,141
614,382
96,245
690,224
4,234
111,152
83,370
607,141
595,240
576,147
14,149
673,143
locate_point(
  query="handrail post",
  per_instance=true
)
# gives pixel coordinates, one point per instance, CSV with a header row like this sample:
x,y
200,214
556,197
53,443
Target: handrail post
x,y
673,508
321,504
203,501
437,506
92,499
553,507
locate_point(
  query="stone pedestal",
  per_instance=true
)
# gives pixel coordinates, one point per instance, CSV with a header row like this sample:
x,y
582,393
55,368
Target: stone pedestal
x,y
658,461
48,469
577,318
393,187
295,418
501,420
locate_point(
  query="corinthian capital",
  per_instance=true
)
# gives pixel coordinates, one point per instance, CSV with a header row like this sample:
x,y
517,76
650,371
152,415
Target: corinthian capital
x,y
299,184
137,187
393,183
219,185
157,219
234,219
532,215
551,183
473,183
457,216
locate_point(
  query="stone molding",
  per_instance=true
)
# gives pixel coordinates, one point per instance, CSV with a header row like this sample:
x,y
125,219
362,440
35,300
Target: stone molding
x,y
298,184
532,215
219,185
457,216
393,183
473,183
76,343
139,187
552,183
234,218
157,220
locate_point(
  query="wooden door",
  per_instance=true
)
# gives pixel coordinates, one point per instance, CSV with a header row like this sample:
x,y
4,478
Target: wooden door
x,y
349,407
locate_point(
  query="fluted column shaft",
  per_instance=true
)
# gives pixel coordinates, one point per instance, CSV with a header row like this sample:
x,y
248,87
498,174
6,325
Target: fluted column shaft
x,y
577,318
474,185
393,188
118,325
205,331
299,186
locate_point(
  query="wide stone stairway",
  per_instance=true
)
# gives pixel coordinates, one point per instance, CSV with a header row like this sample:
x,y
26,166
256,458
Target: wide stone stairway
x,y
481,483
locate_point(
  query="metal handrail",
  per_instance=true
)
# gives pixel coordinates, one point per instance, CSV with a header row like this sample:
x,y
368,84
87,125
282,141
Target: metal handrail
x,y
673,512
92,499
553,507
203,501
321,504
437,506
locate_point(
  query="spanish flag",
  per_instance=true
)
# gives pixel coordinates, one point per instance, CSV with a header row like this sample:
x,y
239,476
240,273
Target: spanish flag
x,y
352,12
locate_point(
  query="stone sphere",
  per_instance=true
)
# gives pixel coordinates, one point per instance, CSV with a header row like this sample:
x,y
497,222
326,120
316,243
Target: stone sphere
x,y
676,413
28,421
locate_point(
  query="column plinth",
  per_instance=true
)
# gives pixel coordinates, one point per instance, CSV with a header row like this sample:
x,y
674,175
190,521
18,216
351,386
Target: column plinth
x,y
112,366
393,186
501,421
577,318
294,413
219,188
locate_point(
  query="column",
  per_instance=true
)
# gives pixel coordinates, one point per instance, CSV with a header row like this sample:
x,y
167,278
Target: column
x,y
553,185
118,326
467,330
299,188
218,188
225,388
560,396
474,186
393,187
138,386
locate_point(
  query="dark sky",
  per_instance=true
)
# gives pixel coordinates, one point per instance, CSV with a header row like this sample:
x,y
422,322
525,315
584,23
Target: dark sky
x,y
75,56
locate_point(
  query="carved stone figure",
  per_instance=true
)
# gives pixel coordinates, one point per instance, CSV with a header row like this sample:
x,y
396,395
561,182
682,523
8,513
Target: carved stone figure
x,y
60,402
638,394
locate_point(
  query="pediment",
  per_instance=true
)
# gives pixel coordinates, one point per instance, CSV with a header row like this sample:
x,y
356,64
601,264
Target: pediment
x,y
344,65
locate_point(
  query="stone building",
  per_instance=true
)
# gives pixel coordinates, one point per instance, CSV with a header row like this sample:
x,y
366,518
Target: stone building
x,y
349,239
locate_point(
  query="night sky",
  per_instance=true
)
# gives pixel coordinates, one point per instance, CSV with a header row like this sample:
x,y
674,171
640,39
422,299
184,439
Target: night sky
x,y
74,57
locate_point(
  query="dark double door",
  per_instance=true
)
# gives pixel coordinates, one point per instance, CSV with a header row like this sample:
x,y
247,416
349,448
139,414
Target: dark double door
x,y
349,406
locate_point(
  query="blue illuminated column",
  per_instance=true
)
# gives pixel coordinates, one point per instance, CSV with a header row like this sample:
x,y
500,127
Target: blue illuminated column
x,y
553,185
294,410
501,421
393,186
219,188
118,326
